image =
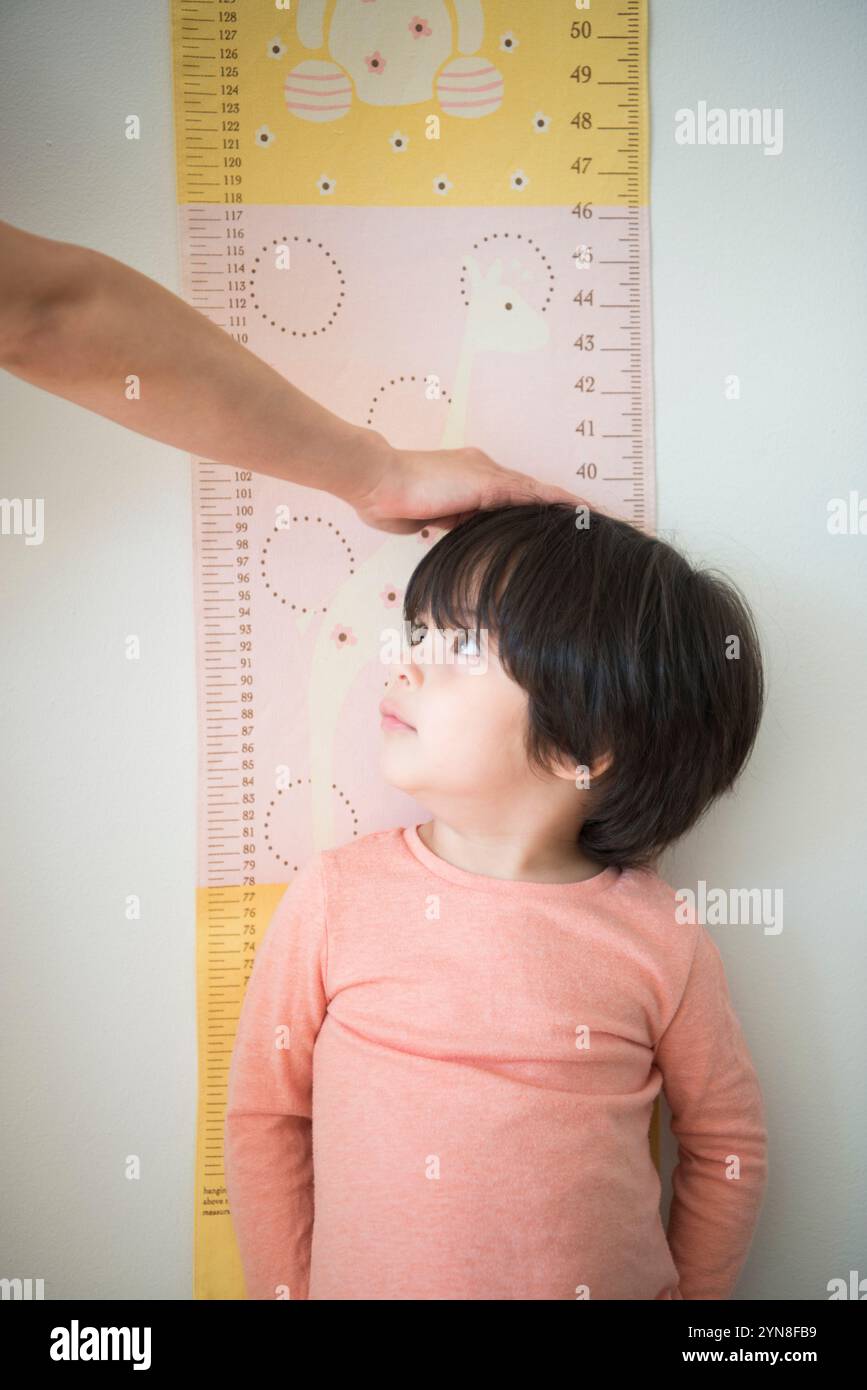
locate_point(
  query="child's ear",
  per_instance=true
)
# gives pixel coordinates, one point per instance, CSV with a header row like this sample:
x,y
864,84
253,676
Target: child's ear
x,y
601,765
582,775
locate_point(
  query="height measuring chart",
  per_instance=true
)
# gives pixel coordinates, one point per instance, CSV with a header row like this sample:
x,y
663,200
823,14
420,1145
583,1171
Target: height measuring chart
x,y
431,217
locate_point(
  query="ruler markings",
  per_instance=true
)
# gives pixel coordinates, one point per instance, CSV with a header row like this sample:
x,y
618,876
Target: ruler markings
x,y
212,211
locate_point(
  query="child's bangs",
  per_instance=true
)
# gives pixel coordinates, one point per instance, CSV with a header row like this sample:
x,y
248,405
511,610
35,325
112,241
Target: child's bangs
x,y
461,585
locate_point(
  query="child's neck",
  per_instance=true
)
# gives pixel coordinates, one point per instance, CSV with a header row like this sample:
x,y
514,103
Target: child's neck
x,y
507,857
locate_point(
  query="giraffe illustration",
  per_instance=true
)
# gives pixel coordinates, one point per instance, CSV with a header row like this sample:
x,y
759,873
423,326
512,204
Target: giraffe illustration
x,y
498,319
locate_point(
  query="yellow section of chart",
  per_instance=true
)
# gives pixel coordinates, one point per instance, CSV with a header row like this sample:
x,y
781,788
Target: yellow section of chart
x,y
230,923
548,106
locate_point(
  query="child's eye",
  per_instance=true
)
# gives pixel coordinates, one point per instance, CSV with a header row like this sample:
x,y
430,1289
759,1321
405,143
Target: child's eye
x,y
463,636
470,638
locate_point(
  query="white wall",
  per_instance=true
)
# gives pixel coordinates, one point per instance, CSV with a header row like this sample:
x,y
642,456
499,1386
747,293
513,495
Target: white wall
x,y
758,270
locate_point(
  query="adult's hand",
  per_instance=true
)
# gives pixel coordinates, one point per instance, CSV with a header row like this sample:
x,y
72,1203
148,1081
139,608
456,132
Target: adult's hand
x,y
441,487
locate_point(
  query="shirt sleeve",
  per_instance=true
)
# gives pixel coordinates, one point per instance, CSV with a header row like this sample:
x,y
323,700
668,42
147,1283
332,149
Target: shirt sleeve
x,y
268,1154
718,1117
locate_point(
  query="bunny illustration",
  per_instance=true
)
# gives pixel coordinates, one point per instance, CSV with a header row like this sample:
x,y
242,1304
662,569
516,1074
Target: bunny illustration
x,y
391,53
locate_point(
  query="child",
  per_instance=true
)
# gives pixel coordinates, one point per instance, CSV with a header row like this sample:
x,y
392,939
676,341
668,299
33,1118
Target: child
x,y
454,1033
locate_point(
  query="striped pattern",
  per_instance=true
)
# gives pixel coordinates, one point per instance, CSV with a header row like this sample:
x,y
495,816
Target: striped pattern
x,y
469,87
318,91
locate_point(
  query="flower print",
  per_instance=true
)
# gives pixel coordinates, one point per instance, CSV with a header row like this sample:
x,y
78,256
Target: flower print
x,y
398,141
325,184
541,122
275,48
343,636
441,184
264,136
419,28
518,180
391,595
375,62
508,42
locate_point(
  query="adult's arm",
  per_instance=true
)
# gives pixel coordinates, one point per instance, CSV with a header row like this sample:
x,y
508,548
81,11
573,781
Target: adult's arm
x,y
79,323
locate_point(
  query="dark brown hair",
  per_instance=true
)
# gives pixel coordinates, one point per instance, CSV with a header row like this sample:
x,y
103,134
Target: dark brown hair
x,y
622,647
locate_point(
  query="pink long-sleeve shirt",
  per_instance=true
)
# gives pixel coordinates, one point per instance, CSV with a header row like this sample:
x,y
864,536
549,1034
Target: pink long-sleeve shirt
x,y
442,1084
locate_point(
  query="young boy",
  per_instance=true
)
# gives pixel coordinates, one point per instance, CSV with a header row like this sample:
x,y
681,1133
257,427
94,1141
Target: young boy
x,y
454,1033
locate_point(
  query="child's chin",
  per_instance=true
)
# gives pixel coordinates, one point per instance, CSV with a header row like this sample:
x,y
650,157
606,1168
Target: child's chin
x,y
398,777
